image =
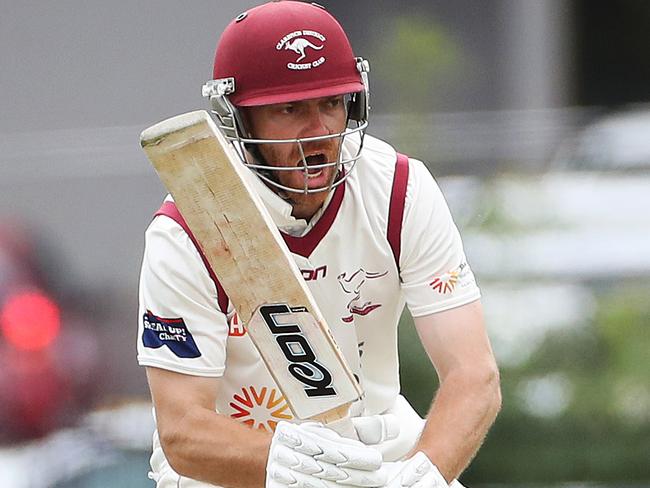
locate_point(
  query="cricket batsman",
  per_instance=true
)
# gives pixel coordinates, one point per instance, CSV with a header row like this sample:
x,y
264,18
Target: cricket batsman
x,y
370,232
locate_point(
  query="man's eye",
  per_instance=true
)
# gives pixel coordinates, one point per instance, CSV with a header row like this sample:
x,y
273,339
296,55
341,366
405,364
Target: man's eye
x,y
287,109
334,102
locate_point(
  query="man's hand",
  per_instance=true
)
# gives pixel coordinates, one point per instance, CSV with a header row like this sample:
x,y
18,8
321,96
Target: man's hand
x,y
416,472
312,456
394,433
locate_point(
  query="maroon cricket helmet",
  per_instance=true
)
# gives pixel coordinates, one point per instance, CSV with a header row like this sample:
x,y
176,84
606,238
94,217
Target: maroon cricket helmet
x,y
286,51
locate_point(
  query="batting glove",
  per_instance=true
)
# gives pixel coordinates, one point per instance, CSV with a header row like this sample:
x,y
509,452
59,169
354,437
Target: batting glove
x,y
416,472
394,433
310,455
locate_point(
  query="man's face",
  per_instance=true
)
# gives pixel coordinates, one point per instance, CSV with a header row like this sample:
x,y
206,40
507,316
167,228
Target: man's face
x,y
300,119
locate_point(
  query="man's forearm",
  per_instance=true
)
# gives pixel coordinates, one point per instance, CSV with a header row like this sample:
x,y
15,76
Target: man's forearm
x,y
210,447
462,411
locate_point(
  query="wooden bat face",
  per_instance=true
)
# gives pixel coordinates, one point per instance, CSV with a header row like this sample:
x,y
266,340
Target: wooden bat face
x,y
211,189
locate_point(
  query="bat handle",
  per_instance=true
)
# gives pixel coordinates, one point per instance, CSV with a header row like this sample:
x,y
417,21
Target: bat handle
x,y
344,427
338,419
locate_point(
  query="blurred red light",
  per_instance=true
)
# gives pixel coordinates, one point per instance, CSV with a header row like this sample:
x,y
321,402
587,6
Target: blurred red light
x,y
30,320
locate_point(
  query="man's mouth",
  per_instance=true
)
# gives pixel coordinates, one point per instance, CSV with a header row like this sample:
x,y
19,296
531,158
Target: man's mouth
x,y
315,159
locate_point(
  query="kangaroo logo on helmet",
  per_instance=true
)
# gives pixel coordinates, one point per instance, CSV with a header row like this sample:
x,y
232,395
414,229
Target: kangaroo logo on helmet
x,y
298,42
299,45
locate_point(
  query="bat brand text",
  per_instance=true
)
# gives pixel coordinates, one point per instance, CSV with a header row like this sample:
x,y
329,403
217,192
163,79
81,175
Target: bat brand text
x,y
297,350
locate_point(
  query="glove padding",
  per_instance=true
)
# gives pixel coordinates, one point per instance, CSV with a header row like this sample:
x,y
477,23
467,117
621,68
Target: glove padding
x,y
416,472
310,455
394,433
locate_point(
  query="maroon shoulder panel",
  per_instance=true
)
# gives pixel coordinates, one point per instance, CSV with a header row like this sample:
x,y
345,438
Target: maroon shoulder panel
x,y
170,210
397,202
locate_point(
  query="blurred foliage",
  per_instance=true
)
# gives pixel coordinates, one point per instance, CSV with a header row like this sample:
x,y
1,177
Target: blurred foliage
x,y
417,61
499,214
602,430
417,58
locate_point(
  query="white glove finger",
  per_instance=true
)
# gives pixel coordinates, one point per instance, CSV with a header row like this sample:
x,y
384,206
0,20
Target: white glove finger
x,y
415,469
282,476
308,465
375,429
362,458
303,464
317,440
432,479
370,479
325,445
296,461
391,470
291,436
410,428
417,472
332,473
334,449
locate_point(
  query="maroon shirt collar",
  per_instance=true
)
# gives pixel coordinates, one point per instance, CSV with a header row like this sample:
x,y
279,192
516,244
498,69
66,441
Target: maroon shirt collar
x,y
305,245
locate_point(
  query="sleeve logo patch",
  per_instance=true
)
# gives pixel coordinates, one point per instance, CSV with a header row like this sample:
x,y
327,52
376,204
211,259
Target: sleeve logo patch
x,y
172,333
445,283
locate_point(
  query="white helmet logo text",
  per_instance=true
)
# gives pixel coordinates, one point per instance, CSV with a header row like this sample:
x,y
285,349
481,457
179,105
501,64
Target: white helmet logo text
x,y
299,43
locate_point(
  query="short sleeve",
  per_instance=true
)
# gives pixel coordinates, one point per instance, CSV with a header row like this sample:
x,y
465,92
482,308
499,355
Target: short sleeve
x,y
434,272
180,325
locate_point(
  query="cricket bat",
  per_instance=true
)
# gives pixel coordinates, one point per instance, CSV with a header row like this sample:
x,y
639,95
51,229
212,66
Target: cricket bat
x,y
211,188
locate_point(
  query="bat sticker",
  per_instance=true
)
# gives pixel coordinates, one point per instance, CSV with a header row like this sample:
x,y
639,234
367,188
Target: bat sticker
x,y
296,349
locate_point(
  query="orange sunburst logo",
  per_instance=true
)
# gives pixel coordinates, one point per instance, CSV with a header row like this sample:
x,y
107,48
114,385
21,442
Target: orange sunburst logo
x,y
261,409
446,282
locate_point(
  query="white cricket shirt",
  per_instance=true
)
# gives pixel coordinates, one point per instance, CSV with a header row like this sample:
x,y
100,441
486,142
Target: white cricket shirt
x,y
347,262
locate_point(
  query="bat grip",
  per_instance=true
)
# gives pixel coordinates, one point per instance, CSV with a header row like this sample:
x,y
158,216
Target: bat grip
x,y
338,419
344,427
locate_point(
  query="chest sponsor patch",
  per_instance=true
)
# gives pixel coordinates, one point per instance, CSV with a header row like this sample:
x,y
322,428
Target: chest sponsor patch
x,y
172,333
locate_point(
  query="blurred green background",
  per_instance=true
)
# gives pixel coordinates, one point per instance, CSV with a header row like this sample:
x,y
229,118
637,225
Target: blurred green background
x,y
576,409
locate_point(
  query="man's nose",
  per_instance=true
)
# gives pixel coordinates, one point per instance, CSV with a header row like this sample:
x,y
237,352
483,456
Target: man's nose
x,y
315,123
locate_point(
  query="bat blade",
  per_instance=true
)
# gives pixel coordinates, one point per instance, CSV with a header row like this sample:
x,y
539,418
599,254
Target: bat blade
x,y
212,190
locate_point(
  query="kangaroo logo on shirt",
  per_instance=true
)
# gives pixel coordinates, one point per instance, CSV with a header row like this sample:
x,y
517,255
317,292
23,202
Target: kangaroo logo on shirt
x,y
352,285
299,43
